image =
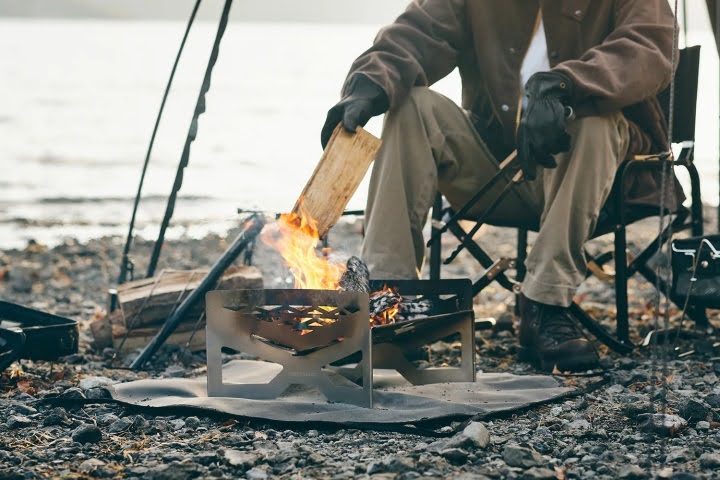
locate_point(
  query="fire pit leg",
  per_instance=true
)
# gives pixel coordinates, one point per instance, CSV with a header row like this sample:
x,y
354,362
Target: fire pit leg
x,y
392,355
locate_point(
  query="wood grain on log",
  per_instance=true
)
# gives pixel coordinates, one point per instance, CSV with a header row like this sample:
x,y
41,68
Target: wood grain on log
x,y
146,303
336,178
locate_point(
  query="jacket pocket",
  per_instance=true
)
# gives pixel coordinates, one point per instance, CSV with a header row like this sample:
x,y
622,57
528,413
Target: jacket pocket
x,y
575,9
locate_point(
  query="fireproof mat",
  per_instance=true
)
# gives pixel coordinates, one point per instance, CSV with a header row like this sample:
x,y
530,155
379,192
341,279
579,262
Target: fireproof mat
x,y
396,401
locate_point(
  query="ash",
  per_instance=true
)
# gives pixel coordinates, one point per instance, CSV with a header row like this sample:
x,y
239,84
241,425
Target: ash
x,y
600,435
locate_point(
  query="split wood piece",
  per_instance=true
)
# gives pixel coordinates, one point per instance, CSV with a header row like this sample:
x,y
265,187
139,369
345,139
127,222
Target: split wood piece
x,y
336,178
146,303
140,337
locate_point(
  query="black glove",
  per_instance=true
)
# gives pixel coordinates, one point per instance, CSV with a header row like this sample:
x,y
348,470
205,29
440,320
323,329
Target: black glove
x,y
542,132
363,100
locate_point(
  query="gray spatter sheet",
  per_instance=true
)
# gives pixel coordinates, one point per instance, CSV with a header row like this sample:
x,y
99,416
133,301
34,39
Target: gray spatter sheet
x,y
396,401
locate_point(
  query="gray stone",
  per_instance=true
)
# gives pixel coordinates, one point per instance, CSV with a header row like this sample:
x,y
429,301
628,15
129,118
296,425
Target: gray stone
x,y
710,461
632,472
107,419
58,416
475,435
456,456
521,457
97,394
73,394
174,371
24,409
87,434
192,422
579,425
693,409
177,424
95,382
703,425
18,421
615,389
91,464
173,471
478,434
662,424
399,465
678,455
120,425
244,460
536,473
713,400
256,474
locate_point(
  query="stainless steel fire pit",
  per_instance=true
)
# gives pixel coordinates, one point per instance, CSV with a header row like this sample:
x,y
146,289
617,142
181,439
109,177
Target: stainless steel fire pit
x,y
307,330
302,330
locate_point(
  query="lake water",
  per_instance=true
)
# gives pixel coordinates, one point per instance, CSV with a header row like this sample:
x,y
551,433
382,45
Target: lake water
x,y
80,98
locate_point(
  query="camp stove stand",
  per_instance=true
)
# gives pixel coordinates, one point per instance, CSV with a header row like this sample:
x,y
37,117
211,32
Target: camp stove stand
x,y
307,330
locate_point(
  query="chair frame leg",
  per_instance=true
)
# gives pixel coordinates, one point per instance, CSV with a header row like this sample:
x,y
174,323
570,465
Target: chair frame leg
x,y
436,246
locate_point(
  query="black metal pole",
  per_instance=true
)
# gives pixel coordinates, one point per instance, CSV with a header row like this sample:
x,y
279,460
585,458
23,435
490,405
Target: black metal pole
x,y
191,136
251,229
125,262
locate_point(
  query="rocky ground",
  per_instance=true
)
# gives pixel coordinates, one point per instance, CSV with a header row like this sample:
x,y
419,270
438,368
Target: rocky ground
x,y
604,434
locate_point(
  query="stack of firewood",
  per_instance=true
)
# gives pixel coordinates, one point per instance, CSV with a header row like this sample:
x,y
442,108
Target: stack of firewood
x,y
142,307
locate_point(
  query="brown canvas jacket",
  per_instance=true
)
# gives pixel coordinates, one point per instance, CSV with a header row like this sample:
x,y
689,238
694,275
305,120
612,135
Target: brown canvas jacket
x,y
617,52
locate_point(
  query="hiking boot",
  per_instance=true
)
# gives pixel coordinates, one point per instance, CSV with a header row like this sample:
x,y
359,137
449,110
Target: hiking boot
x,y
550,338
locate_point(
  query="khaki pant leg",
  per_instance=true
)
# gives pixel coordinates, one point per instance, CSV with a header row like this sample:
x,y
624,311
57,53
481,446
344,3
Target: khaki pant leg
x,y
574,194
428,144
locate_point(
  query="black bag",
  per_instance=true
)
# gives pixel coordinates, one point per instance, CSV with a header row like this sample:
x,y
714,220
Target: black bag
x,y
696,271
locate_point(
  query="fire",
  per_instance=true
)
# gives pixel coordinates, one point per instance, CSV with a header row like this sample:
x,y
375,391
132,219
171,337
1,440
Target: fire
x,y
296,238
387,316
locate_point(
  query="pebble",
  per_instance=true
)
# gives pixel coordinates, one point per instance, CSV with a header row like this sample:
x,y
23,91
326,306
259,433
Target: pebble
x,y
174,371
662,424
521,457
73,394
120,425
256,474
692,409
18,421
244,460
536,473
192,422
615,389
632,472
456,456
475,435
58,416
703,425
87,433
710,461
91,465
89,383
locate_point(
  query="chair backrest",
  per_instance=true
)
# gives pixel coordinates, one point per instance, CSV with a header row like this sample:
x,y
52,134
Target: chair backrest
x,y
686,93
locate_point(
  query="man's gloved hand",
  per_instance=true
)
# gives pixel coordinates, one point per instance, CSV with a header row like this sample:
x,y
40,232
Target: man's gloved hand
x,y
363,100
542,132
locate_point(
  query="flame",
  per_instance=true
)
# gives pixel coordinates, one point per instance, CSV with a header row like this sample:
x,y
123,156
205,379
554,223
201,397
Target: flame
x,y
296,238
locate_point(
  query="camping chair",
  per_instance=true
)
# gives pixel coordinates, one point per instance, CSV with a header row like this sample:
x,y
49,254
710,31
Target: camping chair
x,y
618,214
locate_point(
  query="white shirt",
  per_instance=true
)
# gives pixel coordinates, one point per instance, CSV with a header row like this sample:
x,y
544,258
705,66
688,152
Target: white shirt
x,y
536,58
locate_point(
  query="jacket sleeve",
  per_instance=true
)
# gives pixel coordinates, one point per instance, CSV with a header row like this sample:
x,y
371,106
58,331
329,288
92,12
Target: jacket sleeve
x,y
420,48
631,65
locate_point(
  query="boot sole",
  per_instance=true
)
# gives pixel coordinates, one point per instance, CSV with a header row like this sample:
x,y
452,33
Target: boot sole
x,y
576,364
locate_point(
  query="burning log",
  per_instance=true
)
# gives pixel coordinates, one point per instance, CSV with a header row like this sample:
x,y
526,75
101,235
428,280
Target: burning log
x,y
356,278
384,306
415,308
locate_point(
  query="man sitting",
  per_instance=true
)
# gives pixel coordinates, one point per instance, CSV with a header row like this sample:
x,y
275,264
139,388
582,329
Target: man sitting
x,y
570,84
